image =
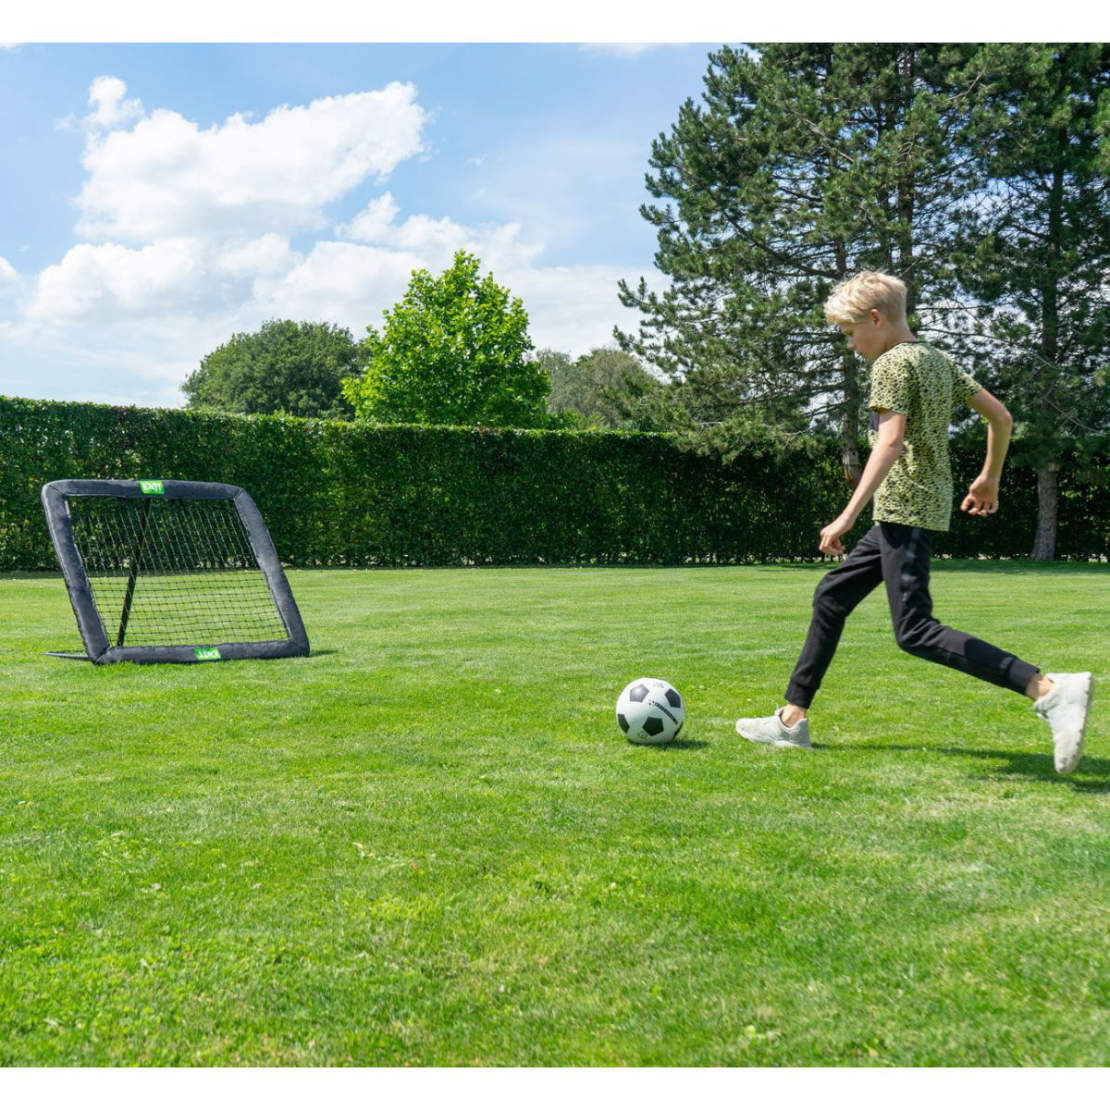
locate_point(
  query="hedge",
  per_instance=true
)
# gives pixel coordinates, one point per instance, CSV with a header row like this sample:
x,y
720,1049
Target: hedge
x,y
342,494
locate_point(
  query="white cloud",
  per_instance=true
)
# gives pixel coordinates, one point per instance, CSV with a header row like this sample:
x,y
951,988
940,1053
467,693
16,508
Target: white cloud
x,y
167,177
111,110
110,282
346,283
268,254
8,272
373,222
436,241
117,280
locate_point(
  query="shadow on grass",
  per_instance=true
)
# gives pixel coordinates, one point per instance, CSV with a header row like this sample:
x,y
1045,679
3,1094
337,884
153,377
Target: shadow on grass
x,y
690,745
1022,566
1025,765
983,566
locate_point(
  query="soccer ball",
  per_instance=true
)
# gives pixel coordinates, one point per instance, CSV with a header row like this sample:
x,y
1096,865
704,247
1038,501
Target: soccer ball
x,y
650,711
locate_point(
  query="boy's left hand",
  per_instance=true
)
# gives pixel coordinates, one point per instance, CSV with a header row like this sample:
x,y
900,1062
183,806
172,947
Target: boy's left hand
x,y
831,533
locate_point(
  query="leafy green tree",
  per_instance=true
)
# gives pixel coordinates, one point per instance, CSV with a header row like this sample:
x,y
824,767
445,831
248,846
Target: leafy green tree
x,y
452,351
603,389
802,164
283,367
1035,254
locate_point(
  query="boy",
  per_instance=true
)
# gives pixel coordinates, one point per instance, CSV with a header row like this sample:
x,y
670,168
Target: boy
x,y
914,389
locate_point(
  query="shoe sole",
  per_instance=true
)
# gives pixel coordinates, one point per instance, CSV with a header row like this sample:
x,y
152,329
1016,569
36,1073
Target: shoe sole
x,y
1089,694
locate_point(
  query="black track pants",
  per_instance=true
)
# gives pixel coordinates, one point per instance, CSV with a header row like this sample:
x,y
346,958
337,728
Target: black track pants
x,y
899,556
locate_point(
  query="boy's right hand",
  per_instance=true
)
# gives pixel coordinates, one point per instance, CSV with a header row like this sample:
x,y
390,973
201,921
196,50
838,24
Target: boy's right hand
x,y
982,497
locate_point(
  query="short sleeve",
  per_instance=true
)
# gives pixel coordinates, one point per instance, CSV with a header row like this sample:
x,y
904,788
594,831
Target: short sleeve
x,y
964,387
890,385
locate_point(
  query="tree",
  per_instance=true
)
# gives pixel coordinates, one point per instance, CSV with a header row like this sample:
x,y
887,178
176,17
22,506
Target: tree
x,y
803,164
283,367
604,389
452,351
1035,254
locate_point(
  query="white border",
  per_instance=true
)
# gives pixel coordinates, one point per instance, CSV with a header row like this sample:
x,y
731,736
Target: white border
x,y
613,21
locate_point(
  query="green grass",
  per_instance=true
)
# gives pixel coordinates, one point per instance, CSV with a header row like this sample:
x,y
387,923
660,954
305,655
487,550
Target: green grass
x,y
428,843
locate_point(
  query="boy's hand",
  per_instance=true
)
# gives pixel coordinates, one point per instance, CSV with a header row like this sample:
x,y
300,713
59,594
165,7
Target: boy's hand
x,y
982,497
831,533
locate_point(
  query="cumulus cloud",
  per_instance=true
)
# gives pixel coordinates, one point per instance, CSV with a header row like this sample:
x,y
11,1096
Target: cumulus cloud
x,y
114,282
8,273
166,176
373,222
110,109
268,254
118,279
436,241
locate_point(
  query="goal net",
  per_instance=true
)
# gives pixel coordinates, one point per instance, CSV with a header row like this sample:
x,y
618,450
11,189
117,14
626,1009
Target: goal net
x,y
171,572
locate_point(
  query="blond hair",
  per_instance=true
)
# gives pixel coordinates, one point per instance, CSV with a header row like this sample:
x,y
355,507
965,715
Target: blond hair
x,y
852,300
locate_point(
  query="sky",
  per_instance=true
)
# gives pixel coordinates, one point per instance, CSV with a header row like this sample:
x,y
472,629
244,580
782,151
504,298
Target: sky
x,y
165,184
155,199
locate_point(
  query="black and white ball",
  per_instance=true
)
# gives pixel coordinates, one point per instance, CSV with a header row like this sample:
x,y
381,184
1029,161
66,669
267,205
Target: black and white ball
x,y
650,711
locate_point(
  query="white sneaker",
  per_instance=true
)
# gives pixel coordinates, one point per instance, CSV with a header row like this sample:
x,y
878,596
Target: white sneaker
x,y
771,730
1065,707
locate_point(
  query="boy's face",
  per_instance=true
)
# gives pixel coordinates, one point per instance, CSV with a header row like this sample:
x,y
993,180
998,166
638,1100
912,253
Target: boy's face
x,y
867,337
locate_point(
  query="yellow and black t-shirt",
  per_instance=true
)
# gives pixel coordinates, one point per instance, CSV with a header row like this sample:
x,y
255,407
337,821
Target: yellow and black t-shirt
x,y
922,383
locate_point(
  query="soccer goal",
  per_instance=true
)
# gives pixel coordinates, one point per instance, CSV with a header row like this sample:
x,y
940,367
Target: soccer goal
x,y
170,572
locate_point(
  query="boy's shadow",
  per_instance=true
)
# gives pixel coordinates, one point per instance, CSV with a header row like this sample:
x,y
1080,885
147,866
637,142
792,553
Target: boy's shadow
x,y
1026,765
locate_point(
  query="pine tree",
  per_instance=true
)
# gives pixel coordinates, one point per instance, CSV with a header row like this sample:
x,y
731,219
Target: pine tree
x,y
1035,255
802,164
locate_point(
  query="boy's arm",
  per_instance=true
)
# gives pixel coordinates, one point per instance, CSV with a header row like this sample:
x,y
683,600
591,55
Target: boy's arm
x,y
888,446
982,494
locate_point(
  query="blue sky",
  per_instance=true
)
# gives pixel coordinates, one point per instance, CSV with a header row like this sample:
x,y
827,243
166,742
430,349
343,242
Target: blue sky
x,y
154,199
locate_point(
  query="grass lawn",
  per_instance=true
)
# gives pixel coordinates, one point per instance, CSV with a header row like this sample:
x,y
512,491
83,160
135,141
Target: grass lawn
x,y
429,844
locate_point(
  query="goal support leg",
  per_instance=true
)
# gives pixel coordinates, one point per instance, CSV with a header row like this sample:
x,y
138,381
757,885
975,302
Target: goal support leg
x,y
133,574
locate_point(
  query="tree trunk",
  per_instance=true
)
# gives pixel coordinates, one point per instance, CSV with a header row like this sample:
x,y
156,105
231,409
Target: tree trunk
x,y
1044,542
849,424
907,190
1048,495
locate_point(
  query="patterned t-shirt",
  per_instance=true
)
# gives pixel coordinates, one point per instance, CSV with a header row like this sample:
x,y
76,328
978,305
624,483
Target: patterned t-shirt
x,y
922,383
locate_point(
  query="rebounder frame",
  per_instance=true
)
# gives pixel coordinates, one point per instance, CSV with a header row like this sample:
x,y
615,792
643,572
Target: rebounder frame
x,y
98,645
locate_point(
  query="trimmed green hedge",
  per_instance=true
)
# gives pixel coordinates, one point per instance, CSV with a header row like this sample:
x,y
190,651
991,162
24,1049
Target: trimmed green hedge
x,y
339,494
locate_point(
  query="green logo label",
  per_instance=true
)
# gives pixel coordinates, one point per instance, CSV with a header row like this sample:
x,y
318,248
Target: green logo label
x,y
152,487
204,655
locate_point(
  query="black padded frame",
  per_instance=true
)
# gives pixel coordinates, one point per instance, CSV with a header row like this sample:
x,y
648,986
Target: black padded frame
x,y
55,500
